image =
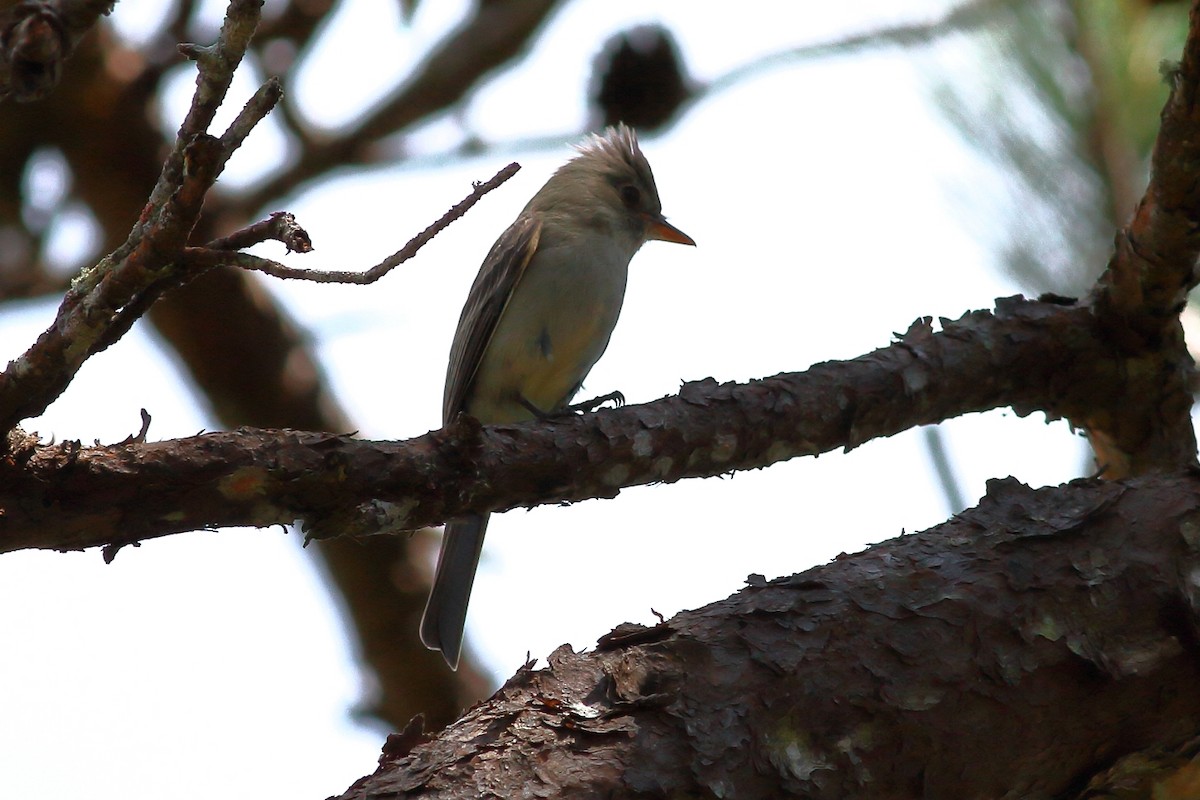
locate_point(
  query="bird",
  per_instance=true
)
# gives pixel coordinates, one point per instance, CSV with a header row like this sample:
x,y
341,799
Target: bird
x,y
537,318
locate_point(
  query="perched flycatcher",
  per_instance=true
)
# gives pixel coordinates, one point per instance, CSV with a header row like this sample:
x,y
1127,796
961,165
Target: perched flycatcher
x,y
539,315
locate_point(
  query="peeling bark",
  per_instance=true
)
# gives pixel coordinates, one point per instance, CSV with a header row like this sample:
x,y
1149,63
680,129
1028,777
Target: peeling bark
x,y
1010,652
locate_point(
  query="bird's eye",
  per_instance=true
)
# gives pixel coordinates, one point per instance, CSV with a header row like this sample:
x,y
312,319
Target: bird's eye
x,y
631,196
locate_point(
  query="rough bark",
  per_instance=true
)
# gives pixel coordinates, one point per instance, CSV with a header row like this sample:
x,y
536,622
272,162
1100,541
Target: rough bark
x,y
1139,297
1013,652
1027,355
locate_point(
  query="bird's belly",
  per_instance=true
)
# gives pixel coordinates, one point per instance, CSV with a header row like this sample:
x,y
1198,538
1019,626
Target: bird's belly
x,y
567,354
542,364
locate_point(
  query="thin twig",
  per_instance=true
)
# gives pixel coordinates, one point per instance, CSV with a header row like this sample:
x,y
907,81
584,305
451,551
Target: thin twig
x,y
254,112
215,253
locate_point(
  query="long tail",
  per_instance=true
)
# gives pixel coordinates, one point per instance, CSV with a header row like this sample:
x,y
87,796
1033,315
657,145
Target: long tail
x,y
446,611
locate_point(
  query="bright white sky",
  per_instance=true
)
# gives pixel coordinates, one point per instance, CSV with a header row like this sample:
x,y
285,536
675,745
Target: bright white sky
x,y
827,199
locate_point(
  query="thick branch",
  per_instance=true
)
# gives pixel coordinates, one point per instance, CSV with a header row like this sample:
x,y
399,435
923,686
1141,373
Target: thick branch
x,y
1028,355
1138,299
1011,652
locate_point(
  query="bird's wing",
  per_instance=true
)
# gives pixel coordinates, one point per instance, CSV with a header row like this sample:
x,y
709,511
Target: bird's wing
x,y
494,285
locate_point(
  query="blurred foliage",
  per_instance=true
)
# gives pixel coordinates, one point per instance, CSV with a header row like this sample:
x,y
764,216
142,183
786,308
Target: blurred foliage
x,y
1066,114
1126,42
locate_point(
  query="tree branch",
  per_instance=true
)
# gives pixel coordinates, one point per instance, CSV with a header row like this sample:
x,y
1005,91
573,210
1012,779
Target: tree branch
x,y
1010,652
91,314
277,382
1145,287
1028,355
280,226
103,303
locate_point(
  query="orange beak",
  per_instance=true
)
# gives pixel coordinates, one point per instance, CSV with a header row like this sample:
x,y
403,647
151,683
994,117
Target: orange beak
x,y
658,228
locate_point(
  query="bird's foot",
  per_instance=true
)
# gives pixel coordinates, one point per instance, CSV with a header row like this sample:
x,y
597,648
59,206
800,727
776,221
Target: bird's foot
x,y
616,398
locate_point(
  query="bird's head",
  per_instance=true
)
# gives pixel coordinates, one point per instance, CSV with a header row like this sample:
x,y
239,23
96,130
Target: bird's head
x,y
610,187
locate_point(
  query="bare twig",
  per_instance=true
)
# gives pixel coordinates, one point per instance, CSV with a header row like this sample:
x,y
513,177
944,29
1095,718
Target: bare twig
x,y
428,91
255,111
211,256
204,160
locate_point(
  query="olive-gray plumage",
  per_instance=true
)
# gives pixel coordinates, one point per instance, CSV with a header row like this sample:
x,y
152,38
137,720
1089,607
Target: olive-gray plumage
x,y
538,317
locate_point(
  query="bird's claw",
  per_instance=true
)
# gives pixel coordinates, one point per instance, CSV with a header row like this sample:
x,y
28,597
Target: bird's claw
x,y
616,398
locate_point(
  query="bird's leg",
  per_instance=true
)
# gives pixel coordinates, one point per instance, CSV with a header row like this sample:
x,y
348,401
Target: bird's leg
x,y
616,398
532,409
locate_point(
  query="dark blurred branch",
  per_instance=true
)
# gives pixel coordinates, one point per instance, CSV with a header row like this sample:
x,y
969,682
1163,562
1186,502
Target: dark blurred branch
x,y
280,383
176,28
935,445
959,19
480,45
965,17
277,382
1111,150
36,37
255,366
496,33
